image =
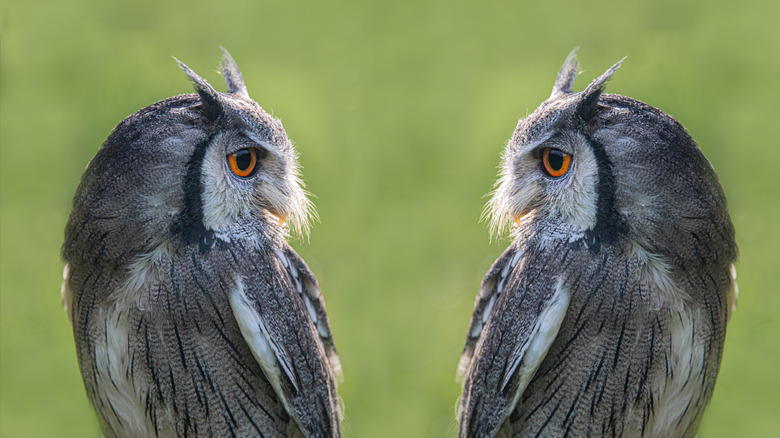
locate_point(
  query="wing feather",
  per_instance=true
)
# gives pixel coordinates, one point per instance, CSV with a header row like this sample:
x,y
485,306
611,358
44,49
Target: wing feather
x,y
315,304
278,325
490,288
519,325
531,350
271,355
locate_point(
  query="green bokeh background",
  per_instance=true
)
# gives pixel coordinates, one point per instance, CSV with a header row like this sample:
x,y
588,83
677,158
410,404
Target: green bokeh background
x,y
399,110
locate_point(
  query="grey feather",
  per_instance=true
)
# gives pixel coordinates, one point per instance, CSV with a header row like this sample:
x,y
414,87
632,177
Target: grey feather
x,y
567,75
208,95
232,75
161,235
635,229
590,96
312,289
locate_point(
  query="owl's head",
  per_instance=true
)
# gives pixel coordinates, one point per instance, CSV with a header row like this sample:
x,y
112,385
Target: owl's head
x,y
190,168
249,166
597,168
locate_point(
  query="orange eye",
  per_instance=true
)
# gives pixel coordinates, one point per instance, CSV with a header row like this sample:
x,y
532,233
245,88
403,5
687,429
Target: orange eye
x,y
556,162
243,162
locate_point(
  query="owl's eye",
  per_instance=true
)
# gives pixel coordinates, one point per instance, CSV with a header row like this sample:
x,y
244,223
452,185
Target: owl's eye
x,y
243,162
555,161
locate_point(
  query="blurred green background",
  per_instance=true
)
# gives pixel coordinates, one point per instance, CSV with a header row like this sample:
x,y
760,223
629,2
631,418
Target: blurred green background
x,y
399,110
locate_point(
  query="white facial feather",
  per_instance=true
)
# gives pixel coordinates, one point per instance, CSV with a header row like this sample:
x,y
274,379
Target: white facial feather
x,y
575,198
285,191
224,197
523,187
276,187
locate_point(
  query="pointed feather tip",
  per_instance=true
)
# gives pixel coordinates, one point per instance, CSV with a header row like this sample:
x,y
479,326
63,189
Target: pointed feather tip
x,y
589,97
225,53
187,71
602,80
572,61
567,74
200,83
208,95
231,74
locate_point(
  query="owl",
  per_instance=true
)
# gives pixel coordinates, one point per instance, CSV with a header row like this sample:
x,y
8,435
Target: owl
x,y
606,315
191,314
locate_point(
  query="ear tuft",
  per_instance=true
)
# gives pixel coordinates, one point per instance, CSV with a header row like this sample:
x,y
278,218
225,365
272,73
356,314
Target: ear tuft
x,y
232,75
589,98
567,75
209,97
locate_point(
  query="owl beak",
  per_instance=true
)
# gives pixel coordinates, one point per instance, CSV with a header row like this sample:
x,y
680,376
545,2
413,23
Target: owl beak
x,y
517,220
282,218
